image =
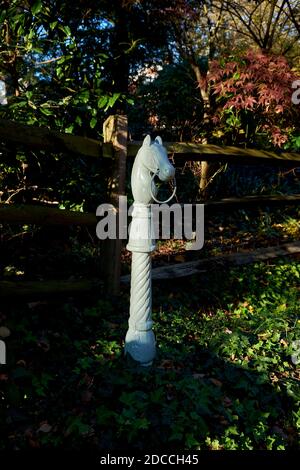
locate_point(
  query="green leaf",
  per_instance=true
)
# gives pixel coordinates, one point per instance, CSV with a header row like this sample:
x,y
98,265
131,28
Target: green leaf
x,y
38,50
104,415
36,7
112,100
69,130
93,122
13,394
31,104
53,25
31,34
3,16
84,96
20,104
66,30
20,373
59,72
46,111
102,102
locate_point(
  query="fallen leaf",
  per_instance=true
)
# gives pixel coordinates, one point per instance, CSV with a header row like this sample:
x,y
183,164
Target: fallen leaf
x,y
224,422
198,376
179,258
112,326
86,396
216,382
4,332
21,362
166,364
34,444
227,402
229,332
36,304
45,427
44,345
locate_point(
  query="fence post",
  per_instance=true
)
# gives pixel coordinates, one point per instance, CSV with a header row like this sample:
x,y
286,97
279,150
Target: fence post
x,y
115,130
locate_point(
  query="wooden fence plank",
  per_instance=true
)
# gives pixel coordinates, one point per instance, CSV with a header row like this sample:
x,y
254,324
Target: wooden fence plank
x,y
235,259
249,202
42,138
40,289
40,215
183,151
53,141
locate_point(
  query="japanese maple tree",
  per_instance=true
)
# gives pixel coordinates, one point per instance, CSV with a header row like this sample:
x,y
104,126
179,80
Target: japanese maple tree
x,y
253,102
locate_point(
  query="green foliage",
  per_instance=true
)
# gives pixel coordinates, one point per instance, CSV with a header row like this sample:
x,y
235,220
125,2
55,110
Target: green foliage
x,y
55,78
223,378
169,103
66,66
293,143
245,180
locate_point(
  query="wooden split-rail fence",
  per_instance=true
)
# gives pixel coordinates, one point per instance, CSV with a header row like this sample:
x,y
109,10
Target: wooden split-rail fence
x,y
116,146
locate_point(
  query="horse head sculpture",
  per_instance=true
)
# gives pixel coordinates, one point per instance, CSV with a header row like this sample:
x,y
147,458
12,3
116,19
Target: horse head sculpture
x,y
151,160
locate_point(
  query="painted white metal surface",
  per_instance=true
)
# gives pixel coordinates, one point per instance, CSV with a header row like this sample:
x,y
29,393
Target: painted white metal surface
x,y
151,159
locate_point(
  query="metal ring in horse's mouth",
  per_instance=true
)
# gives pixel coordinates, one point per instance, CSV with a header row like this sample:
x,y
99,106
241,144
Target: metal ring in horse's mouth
x,y
167,200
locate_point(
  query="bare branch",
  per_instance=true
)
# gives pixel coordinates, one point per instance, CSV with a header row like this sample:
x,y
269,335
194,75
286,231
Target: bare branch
x,y
49,60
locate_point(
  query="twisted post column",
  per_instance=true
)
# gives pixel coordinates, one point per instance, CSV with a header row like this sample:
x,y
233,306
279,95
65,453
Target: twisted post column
x,y
140,339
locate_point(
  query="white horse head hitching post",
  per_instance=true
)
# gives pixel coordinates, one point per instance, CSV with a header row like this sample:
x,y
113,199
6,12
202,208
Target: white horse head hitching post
x,y
151,161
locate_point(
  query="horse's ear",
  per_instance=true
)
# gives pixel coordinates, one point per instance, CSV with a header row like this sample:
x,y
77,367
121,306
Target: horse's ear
x,y
158,140
147,140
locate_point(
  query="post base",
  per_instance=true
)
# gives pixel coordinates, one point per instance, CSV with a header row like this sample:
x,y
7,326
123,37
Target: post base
x,y
141,346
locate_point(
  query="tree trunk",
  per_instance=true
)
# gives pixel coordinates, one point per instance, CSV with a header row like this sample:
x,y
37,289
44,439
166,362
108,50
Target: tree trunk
x,y
201,77
120,60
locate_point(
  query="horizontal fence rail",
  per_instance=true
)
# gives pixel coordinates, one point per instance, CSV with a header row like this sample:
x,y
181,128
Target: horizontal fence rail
x,y
116,146
41,138
41,215
45,139
190,268
248,202
16,214
46,288
213,153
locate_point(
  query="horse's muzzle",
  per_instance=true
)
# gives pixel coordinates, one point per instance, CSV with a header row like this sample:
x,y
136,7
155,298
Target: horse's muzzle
x,y
166,174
